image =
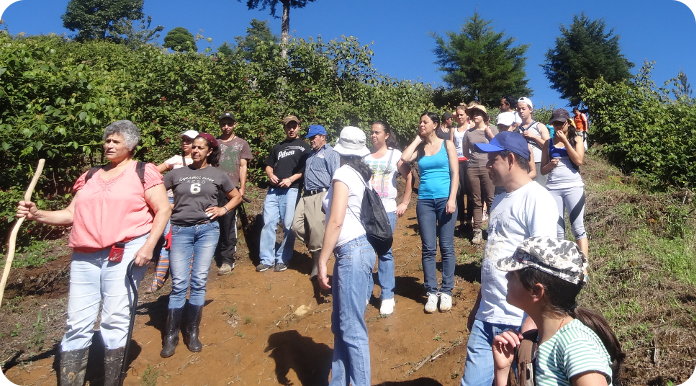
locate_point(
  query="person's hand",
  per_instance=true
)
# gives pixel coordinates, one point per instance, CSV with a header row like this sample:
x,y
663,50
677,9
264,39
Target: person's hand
x,y
26,209
274,179
451,206
554,162
214,212
527,134
418,139
561,137
503,348
285,183
144,255
401,209
322,276
241,191
471,318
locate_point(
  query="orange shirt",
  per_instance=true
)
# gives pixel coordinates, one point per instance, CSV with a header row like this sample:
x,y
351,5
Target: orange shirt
x,y
107,212
580,122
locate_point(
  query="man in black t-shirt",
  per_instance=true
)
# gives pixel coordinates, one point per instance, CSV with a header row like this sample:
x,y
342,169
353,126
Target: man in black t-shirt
x,y
284,168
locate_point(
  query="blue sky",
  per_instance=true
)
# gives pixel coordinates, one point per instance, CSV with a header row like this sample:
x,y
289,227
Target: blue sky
x,y
400,32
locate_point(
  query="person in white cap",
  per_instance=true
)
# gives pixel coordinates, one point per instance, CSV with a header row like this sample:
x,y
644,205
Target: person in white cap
x,y
536,134
351,284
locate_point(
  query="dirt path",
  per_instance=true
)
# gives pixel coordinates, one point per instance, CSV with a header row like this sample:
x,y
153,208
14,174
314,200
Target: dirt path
x,y
272,328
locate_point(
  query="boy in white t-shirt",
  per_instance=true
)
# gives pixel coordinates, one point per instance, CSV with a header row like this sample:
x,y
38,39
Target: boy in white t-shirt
x,y
523,211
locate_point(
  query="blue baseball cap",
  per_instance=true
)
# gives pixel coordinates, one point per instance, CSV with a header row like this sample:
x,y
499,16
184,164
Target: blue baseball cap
x,y
315,130
506,140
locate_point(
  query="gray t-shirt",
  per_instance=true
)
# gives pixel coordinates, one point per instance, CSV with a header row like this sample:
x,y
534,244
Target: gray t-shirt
x,y
194,191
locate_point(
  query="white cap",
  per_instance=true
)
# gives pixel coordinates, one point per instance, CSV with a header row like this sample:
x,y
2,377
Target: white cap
x,y
190,134
506,118
352,142
527,101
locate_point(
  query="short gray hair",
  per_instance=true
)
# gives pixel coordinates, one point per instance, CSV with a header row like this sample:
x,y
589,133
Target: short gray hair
x,y
128,129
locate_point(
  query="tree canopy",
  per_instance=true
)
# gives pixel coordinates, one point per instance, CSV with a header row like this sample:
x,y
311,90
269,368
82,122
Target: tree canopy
x,y
180,39
584,51
482,63
101,19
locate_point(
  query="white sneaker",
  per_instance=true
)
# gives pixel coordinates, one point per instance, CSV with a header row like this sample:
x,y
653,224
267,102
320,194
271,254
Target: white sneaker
x,y
478,237
387,306
445,302
431,304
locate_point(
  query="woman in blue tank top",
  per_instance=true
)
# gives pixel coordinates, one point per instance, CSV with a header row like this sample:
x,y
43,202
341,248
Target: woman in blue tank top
x,y
436,209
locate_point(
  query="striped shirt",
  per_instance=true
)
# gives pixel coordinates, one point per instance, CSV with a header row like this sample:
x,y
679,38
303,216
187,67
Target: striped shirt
x,y
319,168
573,350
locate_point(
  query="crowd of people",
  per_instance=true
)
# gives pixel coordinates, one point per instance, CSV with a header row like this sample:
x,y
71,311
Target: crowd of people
x,y
506,175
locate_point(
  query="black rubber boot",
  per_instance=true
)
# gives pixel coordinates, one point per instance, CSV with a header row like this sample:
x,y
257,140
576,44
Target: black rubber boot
x,y
192,322
171,332
73,365
113,361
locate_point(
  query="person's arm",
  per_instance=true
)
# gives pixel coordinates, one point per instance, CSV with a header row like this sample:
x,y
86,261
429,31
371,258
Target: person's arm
x,y
30,211
234,199
408,189
287,182
409,154
163,167
242,175
503,348
339,204
454,177
539,140
271,176
472,314
532,165
591,378
156,199
577,153
547,164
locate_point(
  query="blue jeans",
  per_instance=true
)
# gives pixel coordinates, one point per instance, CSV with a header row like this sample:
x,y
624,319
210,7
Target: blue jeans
x,y
351,289
478,369
433,223
95,281
279,205
192,251
385,269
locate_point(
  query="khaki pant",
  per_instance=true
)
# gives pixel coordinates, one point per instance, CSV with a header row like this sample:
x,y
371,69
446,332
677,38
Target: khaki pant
x,y
308,223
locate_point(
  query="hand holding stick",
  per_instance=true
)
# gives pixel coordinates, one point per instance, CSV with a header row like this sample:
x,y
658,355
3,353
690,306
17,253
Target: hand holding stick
x,y
15,229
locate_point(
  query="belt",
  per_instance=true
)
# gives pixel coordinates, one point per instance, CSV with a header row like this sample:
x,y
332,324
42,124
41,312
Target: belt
x,y
313,192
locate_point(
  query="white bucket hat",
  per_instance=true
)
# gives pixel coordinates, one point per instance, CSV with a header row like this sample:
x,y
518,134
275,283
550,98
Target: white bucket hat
x,y
352,142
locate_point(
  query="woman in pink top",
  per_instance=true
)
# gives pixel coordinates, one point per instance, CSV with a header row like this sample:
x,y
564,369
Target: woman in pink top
x,y
102,248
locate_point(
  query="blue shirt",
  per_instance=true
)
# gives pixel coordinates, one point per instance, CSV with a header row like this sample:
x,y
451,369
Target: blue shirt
x,y
320,166
435,176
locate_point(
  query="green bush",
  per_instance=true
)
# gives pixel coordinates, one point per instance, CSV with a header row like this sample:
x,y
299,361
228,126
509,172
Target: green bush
x,y
644,131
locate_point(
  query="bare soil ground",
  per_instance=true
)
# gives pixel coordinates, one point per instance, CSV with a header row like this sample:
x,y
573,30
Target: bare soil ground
x,y
274,328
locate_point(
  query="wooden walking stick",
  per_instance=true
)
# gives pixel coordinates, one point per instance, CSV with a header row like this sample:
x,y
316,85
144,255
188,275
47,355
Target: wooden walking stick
x,y
15,229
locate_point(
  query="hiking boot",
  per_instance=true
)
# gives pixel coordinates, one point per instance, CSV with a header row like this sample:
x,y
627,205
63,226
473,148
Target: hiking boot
x,y
280,267
225,269
113,361
387,306
445,302
191,327
73,365
171,332
478,237
263,267
431,304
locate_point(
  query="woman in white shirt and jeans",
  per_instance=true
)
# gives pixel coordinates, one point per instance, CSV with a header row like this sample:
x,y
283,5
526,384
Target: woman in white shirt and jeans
x,y
351,284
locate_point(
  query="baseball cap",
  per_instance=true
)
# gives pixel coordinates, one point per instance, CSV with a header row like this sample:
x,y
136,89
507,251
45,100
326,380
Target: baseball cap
x,y
506,118
190,134
352,142
290,118
315,130
559,115
527,101
506,140
226,115
557,257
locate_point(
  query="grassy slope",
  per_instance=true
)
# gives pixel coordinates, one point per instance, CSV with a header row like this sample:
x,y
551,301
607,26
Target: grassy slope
x,y
643,278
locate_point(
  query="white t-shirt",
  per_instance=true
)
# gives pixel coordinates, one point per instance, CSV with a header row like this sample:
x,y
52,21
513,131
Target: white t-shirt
x,y
176,162
352,226
528,211
459,142
384,173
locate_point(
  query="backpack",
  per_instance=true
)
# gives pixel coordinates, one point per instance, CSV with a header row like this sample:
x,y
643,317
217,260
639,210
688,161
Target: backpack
x,y
139,168
524,357
375,221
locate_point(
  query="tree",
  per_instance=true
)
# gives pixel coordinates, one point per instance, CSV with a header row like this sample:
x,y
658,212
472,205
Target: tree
x,y
482,63
285,20
100,19
258,34
584,51
180,39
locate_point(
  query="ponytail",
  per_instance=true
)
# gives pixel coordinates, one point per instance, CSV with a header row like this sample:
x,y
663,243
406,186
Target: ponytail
x,y
599,325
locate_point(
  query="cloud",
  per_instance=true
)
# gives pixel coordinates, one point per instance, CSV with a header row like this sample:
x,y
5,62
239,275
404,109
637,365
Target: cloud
x,y
4,4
